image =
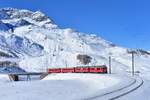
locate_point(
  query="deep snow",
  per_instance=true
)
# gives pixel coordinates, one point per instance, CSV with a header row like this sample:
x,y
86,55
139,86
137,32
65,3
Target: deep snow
x,y
60,87
69,86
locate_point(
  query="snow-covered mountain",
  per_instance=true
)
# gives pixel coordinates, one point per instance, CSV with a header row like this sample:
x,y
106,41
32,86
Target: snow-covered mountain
x,y
39,43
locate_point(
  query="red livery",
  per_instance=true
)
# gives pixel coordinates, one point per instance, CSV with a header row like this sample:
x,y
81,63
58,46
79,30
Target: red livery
x,y
104,70
67,70
95,70
54,70
81,69
87,69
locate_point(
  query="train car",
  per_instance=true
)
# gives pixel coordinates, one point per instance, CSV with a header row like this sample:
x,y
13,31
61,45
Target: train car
x,y
81,69
98,69
104,69
67,70
54,70
95,70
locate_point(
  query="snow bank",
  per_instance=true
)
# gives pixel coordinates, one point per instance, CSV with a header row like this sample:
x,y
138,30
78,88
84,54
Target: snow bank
x,y
59,86
4,78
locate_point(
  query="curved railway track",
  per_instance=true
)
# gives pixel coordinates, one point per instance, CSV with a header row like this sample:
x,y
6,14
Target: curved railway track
x,y
118,93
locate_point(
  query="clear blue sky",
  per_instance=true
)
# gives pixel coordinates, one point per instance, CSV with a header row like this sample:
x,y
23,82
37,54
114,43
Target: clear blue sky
x,y
124,22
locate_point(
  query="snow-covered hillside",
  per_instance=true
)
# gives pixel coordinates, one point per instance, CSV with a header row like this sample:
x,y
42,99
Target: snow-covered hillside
x,y
39,43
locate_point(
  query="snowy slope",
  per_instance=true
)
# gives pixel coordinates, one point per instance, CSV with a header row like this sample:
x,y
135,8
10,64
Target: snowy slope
x,y
40,43
59,87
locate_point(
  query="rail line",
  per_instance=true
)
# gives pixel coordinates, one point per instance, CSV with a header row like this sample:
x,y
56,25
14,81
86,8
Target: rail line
x,y
129,91
118,93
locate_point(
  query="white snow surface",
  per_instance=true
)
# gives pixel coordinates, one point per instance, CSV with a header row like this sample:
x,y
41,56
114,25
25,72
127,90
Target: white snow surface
x,y
69,86
60,87
4,79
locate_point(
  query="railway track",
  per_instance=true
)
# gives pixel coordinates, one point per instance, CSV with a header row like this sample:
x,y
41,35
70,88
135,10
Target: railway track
x,y
120,92
138,84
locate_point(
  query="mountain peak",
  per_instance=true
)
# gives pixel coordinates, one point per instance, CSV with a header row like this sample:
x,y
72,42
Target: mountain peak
x,y
12,15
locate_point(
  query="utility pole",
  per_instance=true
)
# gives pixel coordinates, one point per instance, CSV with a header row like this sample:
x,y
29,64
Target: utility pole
x,y
132,63
46,62
66,63
109,64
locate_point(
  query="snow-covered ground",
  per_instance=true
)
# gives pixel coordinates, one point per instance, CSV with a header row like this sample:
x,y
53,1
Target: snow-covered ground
x,y
61,87
141,93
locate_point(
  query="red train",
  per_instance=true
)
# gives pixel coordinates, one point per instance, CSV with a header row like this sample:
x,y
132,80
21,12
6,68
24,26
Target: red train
x,y
87,69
